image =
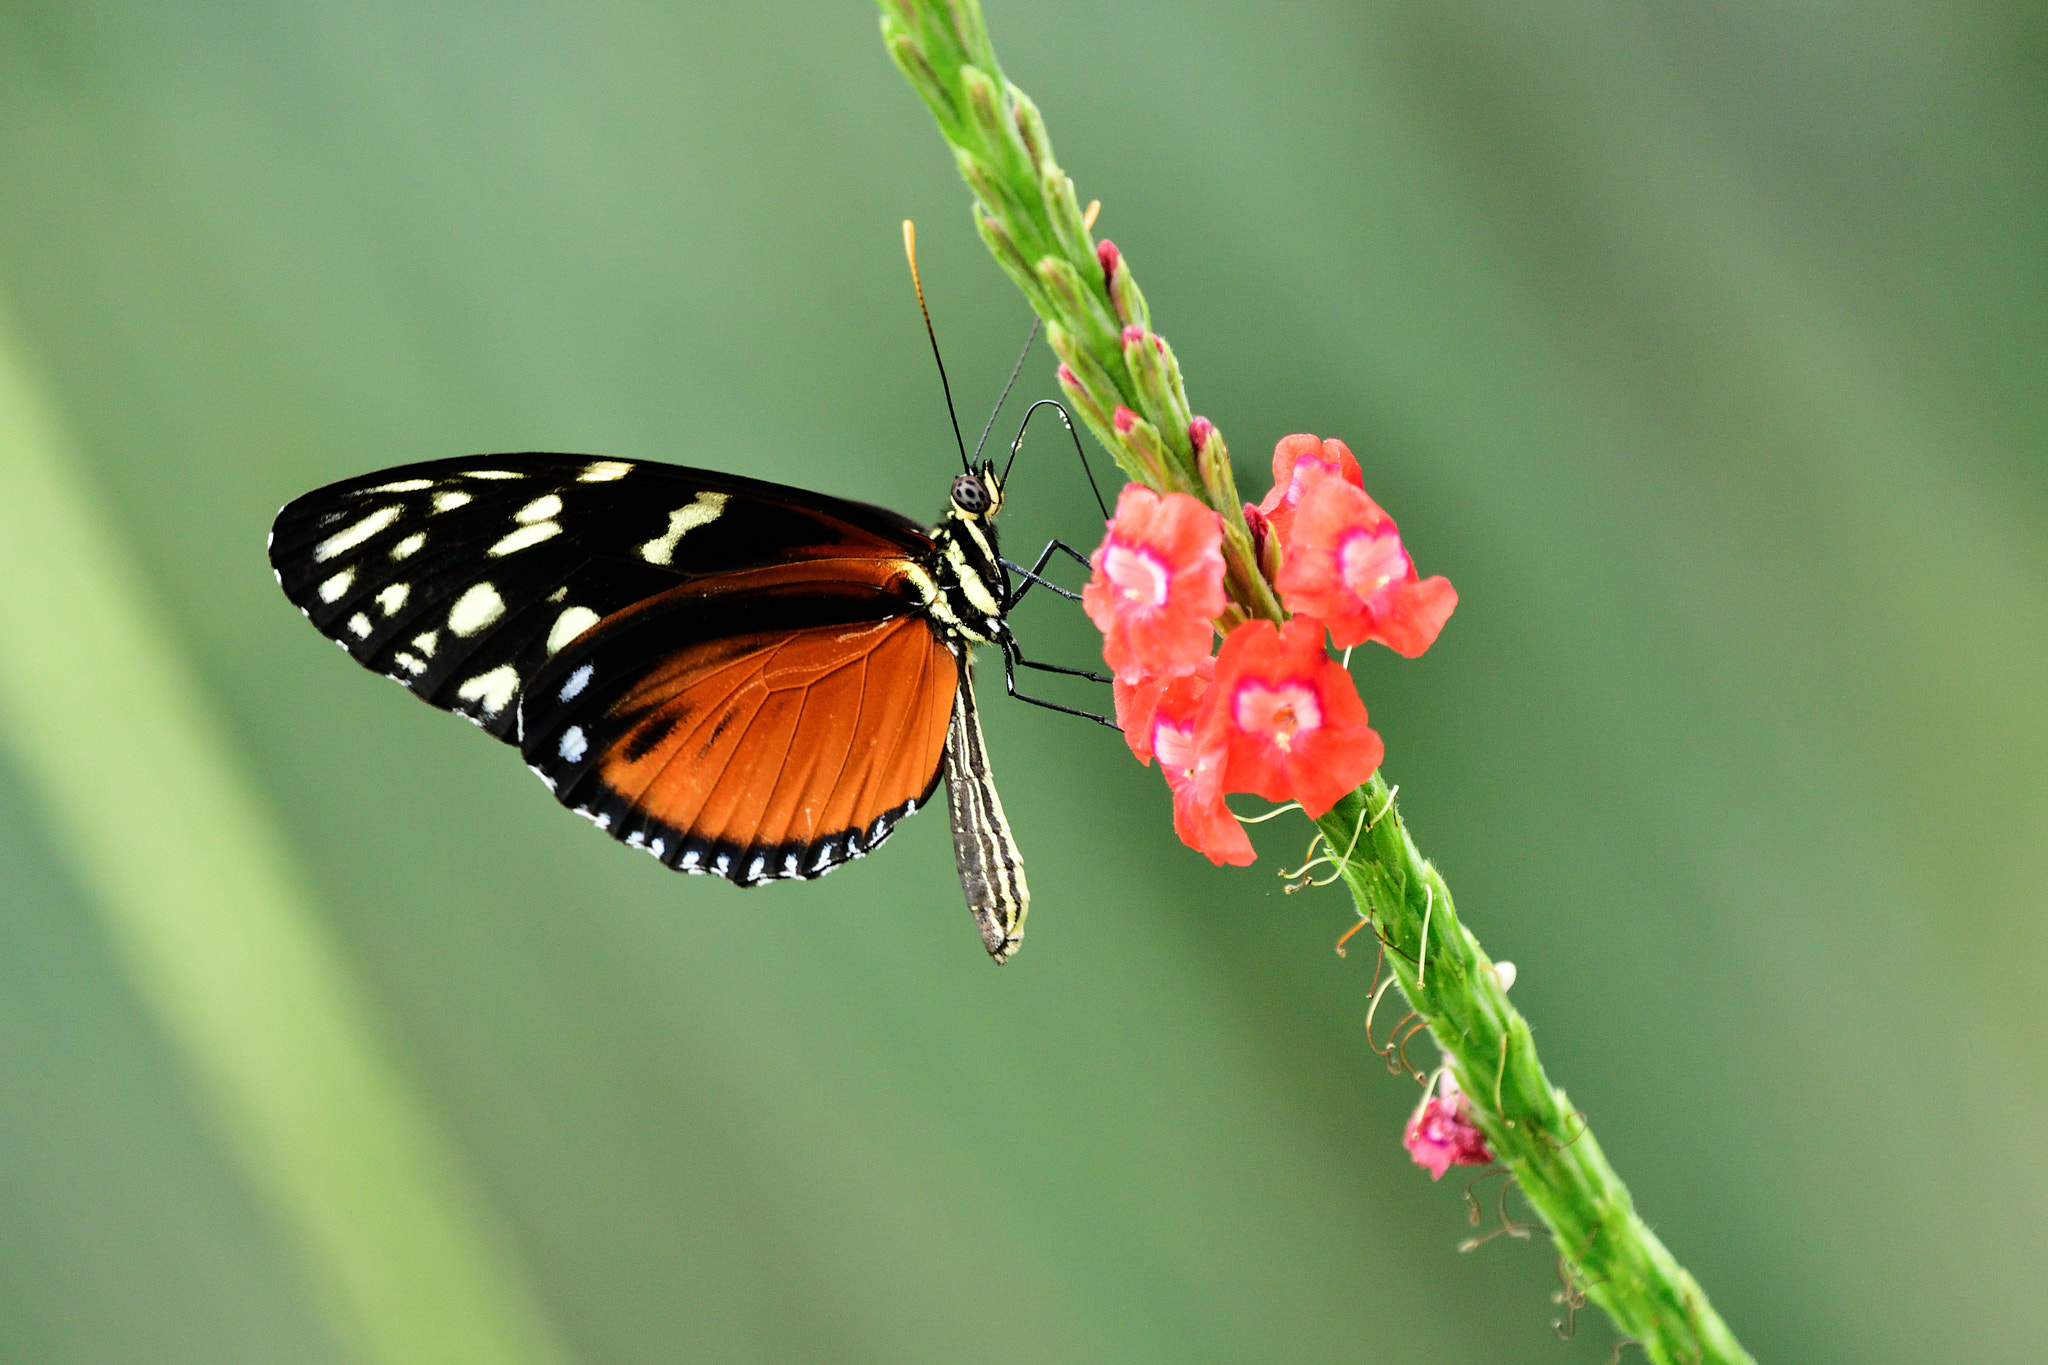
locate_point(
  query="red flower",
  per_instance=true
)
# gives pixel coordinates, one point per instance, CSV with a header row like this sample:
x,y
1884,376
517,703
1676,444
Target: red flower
x,y
1287,717
1140,704
1158,584
1441,1133
1301,462
1200,817
1345,564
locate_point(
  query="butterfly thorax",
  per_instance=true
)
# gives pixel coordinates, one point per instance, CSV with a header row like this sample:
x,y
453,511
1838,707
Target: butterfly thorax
x,y
969,585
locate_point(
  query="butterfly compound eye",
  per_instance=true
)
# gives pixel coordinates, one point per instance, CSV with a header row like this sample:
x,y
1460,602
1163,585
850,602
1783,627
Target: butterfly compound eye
x,y
970,494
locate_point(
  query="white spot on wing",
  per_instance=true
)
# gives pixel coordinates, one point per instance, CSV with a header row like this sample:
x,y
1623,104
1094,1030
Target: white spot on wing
x,y
573,743
490,474
333,588
360,624
491,691
403,486
523,537
356,534
657,847
570,624
410,664
448,502
540,509
426,644
578,680
393,597
704,509
409,546
476,609
604,471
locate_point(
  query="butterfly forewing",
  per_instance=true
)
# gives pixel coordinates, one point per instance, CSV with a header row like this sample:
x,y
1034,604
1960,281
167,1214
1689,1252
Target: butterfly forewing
x,y
731,670
458,578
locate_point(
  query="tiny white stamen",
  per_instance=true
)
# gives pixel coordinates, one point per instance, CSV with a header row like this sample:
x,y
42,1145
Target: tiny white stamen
x,y
476,609
333,588
393,597
356,534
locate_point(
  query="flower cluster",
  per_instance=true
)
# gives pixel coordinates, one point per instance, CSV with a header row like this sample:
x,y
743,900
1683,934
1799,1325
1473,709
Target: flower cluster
x,y
1270,712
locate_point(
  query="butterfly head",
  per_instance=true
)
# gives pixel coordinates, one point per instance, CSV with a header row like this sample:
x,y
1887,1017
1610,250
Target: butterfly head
x,y
978,496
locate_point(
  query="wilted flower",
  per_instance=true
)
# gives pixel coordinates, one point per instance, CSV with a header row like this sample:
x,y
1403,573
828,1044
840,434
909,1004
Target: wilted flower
x,y
1441,1133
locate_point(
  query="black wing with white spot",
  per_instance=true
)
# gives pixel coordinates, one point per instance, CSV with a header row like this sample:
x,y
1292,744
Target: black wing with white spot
x,y
459,578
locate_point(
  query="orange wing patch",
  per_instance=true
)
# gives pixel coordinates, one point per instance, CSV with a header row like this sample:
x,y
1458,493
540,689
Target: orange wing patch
x,y
780,754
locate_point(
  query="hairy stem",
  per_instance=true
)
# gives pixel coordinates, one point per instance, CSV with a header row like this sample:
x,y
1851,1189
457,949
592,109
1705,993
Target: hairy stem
x,y
1126,383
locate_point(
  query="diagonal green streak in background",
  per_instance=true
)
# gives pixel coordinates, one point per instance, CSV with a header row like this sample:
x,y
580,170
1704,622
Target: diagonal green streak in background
x,y
209,916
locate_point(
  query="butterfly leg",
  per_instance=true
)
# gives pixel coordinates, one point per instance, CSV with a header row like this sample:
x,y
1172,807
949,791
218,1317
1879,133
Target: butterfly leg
x,y
1033,574
1013,656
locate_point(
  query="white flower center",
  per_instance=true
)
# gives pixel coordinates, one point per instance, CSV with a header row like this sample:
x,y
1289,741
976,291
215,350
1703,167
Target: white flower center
x,y
1281,712
1138,574
1369,561
1174,746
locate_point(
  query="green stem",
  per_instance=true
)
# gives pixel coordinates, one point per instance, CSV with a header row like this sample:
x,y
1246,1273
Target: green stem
x,y
1027,212
1532,1128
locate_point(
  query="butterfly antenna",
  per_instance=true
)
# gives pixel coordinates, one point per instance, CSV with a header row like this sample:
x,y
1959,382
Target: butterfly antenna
x,y
1015,370
1059,407
910,250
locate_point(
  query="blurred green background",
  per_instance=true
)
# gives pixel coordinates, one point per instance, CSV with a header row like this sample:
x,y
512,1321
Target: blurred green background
x,y
1702,345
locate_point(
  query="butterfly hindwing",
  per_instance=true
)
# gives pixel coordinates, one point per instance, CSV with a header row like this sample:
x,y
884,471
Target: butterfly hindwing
x,y
752,730
460,578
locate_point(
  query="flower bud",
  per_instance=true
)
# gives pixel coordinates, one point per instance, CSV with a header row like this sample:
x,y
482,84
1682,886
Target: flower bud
x,y
1076,302
1123,289
1155,391
1004,248
1212,464
1108,256
1265,545
1140,439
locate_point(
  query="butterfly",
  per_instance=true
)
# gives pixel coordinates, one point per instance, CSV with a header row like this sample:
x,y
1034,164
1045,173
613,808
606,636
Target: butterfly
x,y
744,679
